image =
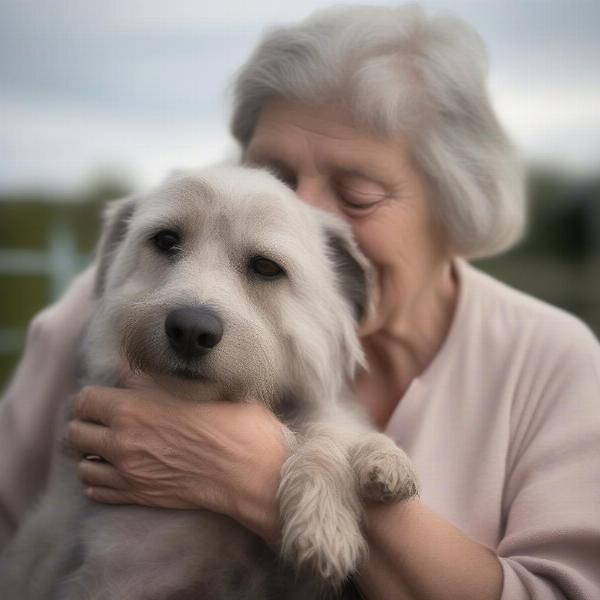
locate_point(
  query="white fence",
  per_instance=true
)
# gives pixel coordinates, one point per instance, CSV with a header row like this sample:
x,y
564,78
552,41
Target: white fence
x,y
58,264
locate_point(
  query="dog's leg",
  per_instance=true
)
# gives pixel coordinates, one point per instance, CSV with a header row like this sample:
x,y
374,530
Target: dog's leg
x,y
320,508
334,465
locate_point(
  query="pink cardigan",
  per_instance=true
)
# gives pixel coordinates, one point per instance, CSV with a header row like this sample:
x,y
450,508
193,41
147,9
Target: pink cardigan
x,y
503,428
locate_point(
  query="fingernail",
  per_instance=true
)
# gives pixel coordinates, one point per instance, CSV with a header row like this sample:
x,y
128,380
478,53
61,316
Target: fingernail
x,y
94,458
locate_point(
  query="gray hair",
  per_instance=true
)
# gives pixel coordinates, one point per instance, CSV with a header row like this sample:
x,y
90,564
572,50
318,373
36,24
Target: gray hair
x,y
401,71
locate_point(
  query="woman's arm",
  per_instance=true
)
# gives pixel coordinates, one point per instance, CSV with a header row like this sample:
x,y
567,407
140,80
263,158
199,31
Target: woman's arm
x,y
549,547
414,554
44,378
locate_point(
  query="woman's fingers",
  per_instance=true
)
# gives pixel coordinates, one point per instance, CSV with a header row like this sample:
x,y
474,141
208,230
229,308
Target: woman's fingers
x,y
89,438
101,474
97,404
110,496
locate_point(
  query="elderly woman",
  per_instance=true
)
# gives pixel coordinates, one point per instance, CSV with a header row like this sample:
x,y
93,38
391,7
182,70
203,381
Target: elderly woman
x,y
381,116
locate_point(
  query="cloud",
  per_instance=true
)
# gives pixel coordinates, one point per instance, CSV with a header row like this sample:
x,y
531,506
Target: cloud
x,y
142,83
58,147
553,125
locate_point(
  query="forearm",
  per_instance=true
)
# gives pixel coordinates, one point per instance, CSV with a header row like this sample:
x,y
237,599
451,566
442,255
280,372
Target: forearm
x,y
414,554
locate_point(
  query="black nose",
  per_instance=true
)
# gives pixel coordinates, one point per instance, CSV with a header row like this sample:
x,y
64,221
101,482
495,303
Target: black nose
x,y
193,330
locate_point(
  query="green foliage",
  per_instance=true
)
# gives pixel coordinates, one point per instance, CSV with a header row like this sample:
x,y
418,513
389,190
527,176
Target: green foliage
x,y
26,224
563,216
559,261
22,296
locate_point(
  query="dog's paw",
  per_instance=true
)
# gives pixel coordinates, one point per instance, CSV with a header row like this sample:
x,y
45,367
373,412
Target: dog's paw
x,y
328,542
384,472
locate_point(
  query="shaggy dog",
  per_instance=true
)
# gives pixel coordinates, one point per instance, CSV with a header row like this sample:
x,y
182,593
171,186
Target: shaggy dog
x,y
221,283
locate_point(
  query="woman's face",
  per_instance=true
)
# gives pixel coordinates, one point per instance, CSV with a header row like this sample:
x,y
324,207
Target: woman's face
x,y
369,181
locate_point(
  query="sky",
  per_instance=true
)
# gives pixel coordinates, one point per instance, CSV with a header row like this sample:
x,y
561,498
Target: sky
x,y
135,88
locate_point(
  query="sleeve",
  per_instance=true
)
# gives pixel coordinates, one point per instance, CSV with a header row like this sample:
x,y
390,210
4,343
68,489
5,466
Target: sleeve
x,y
551,507
42,380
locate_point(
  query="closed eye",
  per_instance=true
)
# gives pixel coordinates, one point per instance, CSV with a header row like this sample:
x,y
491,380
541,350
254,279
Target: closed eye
x,y
359,205
357,209
359,201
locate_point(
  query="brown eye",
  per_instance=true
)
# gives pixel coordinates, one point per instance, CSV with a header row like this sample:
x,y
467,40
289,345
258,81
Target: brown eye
x,y
167,242
265,268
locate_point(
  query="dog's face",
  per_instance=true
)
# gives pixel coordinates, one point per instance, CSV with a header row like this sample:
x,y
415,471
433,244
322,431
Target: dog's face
x,y
223,278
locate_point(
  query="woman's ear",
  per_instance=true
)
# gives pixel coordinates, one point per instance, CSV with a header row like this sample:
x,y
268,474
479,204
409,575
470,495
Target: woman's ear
x,y
115,219
353,270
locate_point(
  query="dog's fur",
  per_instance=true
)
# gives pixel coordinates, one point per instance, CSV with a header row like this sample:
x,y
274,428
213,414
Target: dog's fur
x,y
289,341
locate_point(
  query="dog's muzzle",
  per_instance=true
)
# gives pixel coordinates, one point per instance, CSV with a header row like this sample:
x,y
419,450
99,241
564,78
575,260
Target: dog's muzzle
x,y
193,331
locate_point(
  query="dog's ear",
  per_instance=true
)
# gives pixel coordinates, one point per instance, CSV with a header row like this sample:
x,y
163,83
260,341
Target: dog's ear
x,y
115,219
354,272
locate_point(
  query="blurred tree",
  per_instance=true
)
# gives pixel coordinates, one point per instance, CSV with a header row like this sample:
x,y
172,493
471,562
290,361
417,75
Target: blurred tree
x,y
559,259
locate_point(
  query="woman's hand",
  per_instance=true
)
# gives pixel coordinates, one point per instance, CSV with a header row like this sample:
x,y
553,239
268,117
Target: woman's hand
x,y
165,452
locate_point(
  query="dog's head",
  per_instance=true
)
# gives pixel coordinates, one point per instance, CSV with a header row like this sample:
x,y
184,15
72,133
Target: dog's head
x,y
221,277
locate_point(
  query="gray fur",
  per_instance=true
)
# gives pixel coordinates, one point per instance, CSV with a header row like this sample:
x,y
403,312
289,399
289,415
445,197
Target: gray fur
x,y
117,219
290,342
351,274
